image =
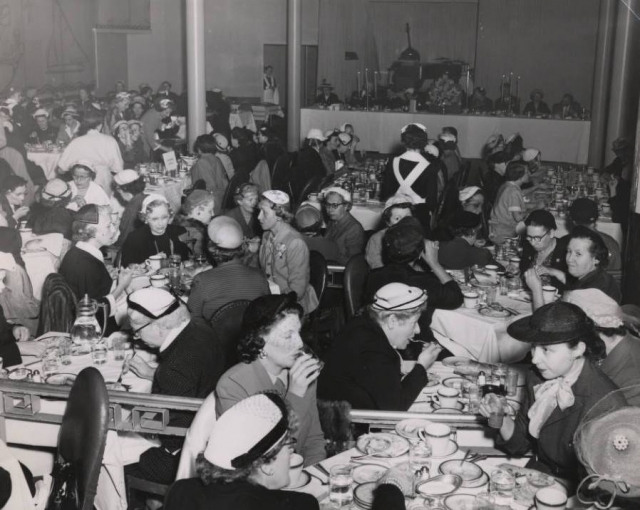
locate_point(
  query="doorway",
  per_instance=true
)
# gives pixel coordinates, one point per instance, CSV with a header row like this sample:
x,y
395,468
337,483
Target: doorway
x,y
276,56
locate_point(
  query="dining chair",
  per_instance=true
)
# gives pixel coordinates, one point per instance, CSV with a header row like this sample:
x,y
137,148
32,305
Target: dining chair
x,y
226,323
57,306
83,432
317,273
355,276
311,186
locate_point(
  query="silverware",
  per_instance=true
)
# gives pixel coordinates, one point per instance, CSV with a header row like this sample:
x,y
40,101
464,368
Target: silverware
x,y
322,469
321,480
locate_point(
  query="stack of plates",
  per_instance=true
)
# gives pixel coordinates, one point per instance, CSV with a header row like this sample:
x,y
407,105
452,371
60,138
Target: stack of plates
x,y
363,495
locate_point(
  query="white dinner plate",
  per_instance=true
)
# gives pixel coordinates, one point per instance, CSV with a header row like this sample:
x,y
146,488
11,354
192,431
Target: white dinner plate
x,y
366,473
383,444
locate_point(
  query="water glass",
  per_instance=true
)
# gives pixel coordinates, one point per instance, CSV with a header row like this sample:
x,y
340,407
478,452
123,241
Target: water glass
x,y
65,347
484,501
51,362
501,487
512,382
341,485
474,399
118,344
492,294
420,460
174,278
99,353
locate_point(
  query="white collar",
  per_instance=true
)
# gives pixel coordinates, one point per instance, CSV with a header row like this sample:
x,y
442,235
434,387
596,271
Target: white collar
x,y
91,250
413,156
173,334
284,377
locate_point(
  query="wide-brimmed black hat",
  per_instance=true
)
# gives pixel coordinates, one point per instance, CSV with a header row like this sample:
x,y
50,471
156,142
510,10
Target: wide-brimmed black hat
x,y
554,323
262,311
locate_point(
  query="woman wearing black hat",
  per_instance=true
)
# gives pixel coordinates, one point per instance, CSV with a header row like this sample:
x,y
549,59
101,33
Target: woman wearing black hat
x,y
272,359
564,386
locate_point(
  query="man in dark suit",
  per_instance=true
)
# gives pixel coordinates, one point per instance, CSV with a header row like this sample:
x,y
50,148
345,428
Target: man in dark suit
x,y
327,97
567,108
190,362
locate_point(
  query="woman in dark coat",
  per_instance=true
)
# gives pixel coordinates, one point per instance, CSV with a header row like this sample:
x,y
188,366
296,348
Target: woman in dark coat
x,y
565,385
157,237
245,153
363,366
50,214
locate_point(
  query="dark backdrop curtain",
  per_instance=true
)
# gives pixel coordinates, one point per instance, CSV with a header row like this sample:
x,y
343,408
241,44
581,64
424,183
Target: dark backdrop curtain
x,y
345,25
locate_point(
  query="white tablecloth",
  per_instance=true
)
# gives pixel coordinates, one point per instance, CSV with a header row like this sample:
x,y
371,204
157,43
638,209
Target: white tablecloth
x,y
558,140
368,214
47,160
483,338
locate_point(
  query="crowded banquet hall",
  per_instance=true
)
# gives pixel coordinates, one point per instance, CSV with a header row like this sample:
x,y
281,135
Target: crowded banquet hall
x,y
319,254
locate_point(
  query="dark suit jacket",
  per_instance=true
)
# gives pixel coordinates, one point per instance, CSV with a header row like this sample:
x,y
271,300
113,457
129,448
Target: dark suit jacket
x,y
363,369
622,366
8,347
194,495
459,254
327,101
554,448
309,165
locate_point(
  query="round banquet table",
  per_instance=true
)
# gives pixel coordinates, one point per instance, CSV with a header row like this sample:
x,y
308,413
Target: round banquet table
x,y
48,161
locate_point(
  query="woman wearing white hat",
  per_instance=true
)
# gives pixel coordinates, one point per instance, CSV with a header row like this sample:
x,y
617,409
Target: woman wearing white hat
x,y
83,190
284,256
116,113
43,132
247,470
396,208
70,125
310,163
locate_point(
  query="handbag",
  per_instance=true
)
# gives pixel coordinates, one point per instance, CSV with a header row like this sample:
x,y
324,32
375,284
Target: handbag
x,y
64,488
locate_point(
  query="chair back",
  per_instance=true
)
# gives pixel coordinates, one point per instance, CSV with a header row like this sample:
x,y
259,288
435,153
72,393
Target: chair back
x,y
311,186
261,177
281,175
57,307
237,179
317,273
226,323
83,432
355,276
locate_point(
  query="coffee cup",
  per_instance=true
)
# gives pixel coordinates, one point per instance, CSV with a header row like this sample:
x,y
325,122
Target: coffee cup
x,y
447,397
549,293
158,280
471,299
154,263
491,270
438,436
550,499
296,463
606,208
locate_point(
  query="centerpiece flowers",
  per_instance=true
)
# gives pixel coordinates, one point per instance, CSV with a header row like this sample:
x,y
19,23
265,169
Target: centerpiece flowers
x,y
445,91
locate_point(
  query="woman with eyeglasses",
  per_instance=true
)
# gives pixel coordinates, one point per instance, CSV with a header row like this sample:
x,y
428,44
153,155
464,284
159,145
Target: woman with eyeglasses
x,y
542,250
83,190
272,355
244,471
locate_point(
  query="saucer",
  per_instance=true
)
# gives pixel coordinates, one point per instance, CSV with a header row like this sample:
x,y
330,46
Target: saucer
x,y
303,481
437,407
454,382
483,480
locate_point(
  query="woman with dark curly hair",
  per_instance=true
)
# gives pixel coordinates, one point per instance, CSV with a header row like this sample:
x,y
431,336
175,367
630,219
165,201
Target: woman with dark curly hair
x,y
245,471
395,208
563,386
587,259
13,191
407,173
272,359
245,153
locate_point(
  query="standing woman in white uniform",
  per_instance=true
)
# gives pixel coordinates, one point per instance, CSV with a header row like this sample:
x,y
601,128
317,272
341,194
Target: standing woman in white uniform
x,y
407,174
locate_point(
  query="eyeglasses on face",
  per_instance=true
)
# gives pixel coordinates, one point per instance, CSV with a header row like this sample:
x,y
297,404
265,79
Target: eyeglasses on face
x,y
536,239
329,205
136,332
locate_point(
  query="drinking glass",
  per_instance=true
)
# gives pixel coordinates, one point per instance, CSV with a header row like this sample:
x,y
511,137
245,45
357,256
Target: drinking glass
x,y
420,460
474,399
50,362
492,294
341,485
118,344
501,486
65,346
99,353
512,382
174,278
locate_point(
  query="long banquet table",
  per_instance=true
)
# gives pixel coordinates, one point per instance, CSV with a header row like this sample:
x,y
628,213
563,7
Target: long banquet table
x,y
558,140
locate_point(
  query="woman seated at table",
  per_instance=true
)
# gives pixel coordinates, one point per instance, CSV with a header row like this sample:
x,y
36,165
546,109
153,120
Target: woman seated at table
x,y
363,366
246,198
130,156
210,169
470,199
564,386
13,191
395,208
542,250
509,208
130,193
461,252
284,256
157,236
350,156
83,266
16,297
50,215
245,471
407,173
244,155
622,364
587,258
9,332
83,190
272,359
